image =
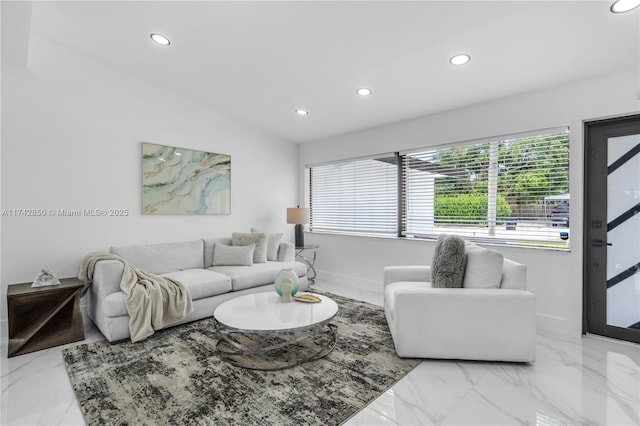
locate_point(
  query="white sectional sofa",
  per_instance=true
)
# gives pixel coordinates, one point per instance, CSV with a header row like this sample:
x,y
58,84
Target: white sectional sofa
x,y
191,263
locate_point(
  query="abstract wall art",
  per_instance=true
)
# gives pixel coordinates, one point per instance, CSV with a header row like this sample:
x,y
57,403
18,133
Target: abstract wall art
x,y
184,181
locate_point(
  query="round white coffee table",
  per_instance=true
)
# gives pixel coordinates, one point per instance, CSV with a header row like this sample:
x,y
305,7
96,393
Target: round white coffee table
x,y
258,331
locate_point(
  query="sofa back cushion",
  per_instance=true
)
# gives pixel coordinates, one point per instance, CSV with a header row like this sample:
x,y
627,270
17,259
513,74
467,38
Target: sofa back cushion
x,y
164,257
209,244
514,275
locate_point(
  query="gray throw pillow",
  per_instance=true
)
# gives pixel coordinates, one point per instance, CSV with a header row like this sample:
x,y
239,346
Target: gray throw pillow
x,y
449,261
247,238
273,244
224,255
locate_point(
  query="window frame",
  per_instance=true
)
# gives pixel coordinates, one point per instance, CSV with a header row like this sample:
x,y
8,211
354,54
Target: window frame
x,y
403,198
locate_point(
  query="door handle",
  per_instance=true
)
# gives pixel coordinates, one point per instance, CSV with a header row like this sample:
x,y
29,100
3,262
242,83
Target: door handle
x,y
599,243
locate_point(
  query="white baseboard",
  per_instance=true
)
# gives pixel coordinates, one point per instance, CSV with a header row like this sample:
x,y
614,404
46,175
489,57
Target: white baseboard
x,y
356,282
555,326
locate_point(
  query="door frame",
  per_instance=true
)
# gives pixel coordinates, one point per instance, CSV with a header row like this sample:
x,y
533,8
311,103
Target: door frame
x,y
594,296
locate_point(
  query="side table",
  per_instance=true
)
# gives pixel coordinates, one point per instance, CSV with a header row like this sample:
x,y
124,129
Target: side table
x,y
43,317
311,270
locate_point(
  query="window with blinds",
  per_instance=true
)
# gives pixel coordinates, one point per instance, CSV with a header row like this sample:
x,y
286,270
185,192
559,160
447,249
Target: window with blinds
x,y
512,190
505,190
355,197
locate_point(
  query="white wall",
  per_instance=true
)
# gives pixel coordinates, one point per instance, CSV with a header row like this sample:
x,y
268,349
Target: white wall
x,y
71,139
554,276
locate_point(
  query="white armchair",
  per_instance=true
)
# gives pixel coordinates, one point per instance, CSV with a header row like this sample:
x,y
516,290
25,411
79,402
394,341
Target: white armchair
x,y
490,324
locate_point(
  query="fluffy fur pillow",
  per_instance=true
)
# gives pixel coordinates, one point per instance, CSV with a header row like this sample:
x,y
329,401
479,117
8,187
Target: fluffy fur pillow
x,y
273,244
247,238
449,261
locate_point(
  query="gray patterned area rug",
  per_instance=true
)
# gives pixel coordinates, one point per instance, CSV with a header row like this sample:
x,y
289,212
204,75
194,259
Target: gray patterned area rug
x,y
173,378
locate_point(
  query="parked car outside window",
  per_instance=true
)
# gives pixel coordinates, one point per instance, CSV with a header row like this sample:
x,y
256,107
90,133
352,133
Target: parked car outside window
x,y
560,215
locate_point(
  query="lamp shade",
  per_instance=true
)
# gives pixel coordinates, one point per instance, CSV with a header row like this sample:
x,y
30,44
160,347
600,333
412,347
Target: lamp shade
x,y
298,215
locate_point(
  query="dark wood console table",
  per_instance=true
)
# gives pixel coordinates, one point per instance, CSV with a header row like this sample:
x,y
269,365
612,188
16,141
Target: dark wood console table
x,y
43,317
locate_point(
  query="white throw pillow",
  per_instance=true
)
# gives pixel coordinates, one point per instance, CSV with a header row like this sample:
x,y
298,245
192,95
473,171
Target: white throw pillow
x,y
233,255
484,267
273,244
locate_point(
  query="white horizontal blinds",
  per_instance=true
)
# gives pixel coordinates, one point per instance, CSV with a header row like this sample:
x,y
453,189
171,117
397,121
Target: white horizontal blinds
x,y
421,173
534,169
355,197
457,190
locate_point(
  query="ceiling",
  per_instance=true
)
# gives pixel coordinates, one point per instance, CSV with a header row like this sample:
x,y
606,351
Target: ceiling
x,y
260,61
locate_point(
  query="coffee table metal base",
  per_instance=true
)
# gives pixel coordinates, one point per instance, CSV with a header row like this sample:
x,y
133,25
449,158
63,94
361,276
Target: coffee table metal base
x,y
274,350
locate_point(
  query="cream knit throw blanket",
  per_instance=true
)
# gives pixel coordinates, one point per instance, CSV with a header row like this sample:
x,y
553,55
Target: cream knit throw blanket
x,y
153,302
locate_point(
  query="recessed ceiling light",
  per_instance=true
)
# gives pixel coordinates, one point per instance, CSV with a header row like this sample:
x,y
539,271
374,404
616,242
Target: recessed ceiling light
x,y
160,39
621,6
302,112
460,59
363,91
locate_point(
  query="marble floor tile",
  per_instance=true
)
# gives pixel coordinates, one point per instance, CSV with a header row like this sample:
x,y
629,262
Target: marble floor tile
x,y
369,417
430,392
67,414
588,380
35,386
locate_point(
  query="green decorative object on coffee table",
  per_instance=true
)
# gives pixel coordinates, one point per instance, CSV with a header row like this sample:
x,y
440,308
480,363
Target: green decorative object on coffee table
x,y
287,279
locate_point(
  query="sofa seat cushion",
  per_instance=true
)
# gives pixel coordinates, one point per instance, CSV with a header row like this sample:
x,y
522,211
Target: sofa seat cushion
x,y
200,283
390,291
258,274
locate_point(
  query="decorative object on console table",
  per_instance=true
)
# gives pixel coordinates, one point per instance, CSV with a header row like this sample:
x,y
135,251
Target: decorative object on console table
x,y
287,284
43,317
298,216
45,278
311,270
